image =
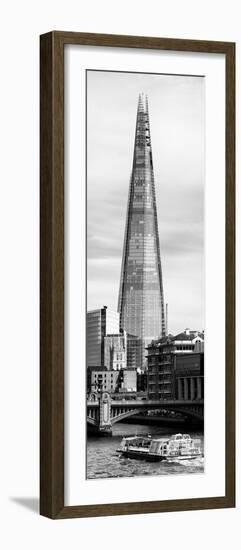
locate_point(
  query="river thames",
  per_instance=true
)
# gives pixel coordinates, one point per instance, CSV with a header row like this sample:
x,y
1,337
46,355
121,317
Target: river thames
x,y
104,462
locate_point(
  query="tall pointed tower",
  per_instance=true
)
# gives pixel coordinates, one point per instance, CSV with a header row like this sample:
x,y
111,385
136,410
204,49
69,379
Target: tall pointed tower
x,y
141,300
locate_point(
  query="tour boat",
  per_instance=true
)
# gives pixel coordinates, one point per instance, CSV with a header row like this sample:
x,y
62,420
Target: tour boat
x,y
177,447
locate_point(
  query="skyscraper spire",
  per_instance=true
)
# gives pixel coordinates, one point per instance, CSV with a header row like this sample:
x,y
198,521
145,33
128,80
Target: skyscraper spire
x,y
141,300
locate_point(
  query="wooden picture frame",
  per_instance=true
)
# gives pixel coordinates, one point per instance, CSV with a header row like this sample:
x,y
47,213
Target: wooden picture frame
x,y
52,274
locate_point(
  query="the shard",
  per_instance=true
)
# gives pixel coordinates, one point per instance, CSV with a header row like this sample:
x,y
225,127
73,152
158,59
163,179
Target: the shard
x,y
141,300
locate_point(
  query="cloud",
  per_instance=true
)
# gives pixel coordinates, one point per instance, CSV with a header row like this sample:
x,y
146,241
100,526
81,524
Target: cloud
x,y
177,129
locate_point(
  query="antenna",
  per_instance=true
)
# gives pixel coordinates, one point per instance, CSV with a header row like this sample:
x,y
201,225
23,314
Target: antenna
x,y
166,319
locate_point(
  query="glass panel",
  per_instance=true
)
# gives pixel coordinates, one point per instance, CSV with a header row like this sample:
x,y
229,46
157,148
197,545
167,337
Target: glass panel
x,y
141,300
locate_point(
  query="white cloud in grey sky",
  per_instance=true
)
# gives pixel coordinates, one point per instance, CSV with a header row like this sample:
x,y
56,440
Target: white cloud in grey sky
x,y
176,107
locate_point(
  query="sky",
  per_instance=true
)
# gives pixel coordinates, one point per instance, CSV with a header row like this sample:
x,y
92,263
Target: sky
x,y
177,118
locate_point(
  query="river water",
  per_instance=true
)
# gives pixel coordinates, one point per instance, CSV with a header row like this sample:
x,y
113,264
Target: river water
x,y
104,462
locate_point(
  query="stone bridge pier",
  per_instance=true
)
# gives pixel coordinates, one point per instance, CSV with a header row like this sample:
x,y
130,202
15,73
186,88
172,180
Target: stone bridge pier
x,y
105,425
103,411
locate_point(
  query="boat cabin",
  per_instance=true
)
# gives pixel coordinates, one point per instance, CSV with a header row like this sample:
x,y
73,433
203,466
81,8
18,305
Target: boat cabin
x,y
138,442
176,445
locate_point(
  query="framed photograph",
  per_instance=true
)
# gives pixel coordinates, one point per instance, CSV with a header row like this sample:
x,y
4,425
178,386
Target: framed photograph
x,y
137,188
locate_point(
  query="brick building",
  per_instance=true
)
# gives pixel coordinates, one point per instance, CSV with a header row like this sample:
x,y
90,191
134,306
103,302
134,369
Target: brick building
x,y
176,367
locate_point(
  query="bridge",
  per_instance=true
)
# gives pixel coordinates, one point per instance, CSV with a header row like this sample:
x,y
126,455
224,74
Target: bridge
x,y
103,411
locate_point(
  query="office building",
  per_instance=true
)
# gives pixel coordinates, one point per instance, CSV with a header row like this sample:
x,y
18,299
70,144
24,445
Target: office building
x,y
141,299
100,322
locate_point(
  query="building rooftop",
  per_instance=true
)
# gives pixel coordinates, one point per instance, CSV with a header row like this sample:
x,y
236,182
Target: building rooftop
x,y
101,308
187,335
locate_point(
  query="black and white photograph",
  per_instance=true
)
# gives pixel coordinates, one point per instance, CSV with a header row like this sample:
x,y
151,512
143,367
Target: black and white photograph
x,y
120,324
145,277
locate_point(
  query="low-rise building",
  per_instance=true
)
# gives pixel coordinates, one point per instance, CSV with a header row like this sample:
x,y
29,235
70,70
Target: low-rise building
x,y
128,381
189,376
187,341
100,379
176,367
113,381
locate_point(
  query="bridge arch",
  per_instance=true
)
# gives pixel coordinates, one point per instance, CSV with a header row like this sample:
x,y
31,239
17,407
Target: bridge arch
x,y
195,413
116,411
120,417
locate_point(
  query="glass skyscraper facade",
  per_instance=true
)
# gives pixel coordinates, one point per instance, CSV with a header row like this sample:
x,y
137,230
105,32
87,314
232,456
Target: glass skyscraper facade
x,y
141,300
100,322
